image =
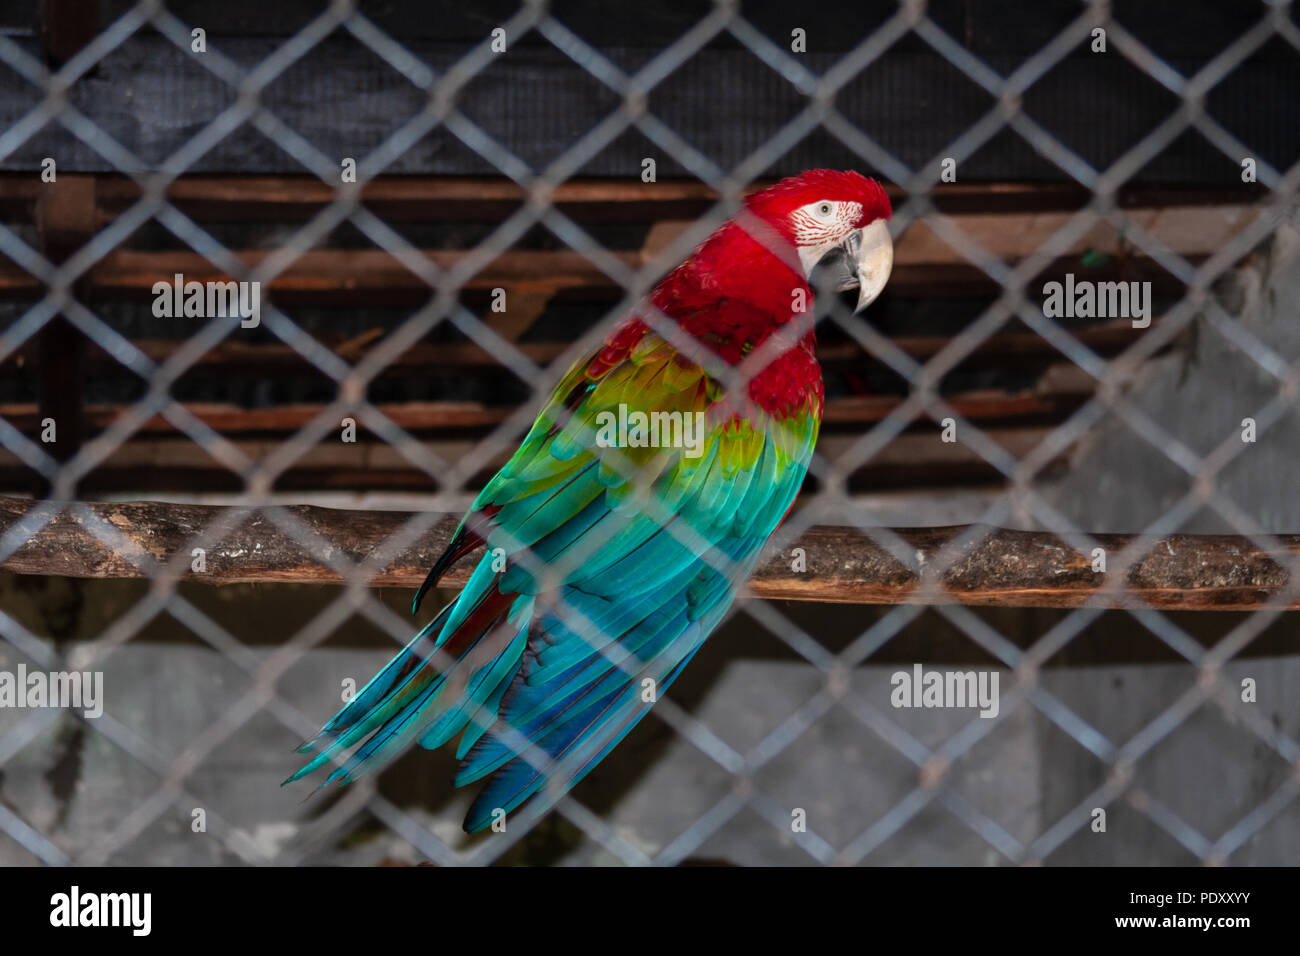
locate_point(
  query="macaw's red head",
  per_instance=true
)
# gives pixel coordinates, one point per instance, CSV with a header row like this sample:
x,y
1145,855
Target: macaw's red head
x,y
831,218
765,255
752,276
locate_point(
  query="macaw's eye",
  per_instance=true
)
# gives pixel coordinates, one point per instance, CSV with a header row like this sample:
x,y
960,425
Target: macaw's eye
x,y
824,209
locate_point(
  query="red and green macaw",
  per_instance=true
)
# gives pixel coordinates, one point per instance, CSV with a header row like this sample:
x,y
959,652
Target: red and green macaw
x,y
606,567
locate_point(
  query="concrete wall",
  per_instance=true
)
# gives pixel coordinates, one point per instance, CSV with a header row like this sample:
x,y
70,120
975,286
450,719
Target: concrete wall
x,y
165,690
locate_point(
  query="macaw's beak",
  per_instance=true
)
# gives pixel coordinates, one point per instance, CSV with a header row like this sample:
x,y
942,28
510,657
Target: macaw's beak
x,y
863,262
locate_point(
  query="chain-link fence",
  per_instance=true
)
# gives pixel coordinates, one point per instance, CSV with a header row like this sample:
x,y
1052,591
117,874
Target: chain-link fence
x,y
55,90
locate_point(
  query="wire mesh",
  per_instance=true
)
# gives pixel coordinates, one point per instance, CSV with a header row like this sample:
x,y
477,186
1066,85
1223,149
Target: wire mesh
x,y
832,503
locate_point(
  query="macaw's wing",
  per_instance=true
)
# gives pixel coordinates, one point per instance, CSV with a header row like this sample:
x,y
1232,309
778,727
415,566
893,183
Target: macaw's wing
x,y
606,567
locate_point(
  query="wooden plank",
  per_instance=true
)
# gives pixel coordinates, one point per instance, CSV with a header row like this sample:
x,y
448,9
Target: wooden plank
x,y
350,277
332,275
412,198
148,463
66,27
1104,338
424,198
163,449
18,192
979,404
16,283
844,565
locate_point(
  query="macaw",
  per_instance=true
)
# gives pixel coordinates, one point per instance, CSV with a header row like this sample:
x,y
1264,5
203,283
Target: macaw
x,y
608,562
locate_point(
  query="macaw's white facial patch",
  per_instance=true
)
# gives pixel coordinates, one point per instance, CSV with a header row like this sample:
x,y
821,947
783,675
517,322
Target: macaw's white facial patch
x,y
820,226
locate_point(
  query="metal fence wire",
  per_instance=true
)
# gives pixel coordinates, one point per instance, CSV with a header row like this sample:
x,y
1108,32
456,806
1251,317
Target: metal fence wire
x,y
831,502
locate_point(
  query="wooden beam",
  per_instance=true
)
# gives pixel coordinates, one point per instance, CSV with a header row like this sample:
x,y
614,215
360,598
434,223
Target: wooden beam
x,y
413,198
976,404
65,214
66,27
346,277
844,565
421,198
331,276
913,460
1104,338
65,217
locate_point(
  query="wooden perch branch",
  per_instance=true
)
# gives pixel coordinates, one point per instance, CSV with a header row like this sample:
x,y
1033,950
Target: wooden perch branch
x,y
843,565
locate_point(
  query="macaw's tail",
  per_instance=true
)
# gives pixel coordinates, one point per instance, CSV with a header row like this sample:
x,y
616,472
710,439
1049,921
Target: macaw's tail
x,y
541,696
449,678
570,706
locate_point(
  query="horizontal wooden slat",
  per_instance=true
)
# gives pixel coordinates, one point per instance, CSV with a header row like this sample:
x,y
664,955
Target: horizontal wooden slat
x,y
129,273
149,463
217,198
866,409
1016,348
352,278
418,198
